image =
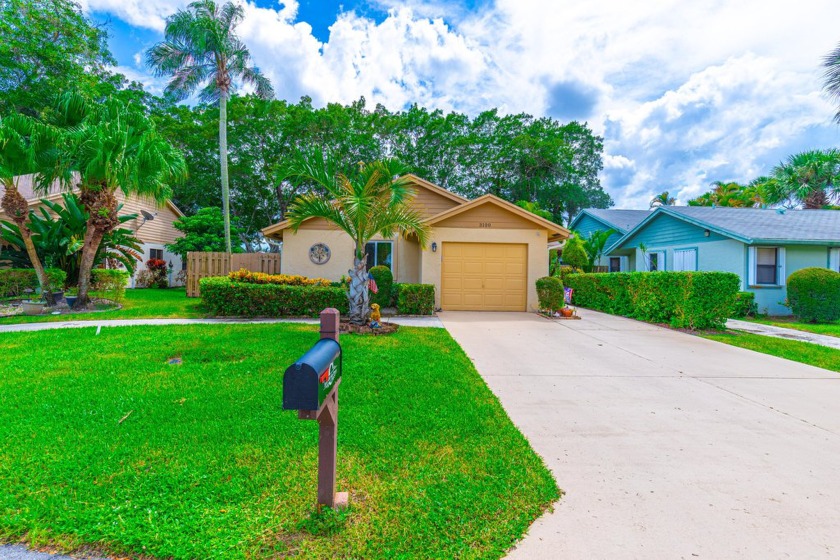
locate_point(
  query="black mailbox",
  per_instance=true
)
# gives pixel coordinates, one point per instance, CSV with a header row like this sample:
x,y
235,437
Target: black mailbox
x,y
308,381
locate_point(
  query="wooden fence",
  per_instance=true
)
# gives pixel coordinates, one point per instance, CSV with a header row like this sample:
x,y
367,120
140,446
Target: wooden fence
x,y
202,265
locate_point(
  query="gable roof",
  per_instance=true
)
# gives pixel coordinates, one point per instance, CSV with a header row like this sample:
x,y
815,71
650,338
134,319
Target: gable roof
x,y
620,220
754,225
556,230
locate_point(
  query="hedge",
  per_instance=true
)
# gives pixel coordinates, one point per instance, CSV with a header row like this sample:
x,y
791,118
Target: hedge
x,y
692,300
15,281
416,299
814,295
225,297
247,276
384,283
109,283
550,293
745,305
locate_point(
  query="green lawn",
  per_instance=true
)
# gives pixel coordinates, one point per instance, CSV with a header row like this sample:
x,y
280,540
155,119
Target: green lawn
x,y
138,304
830,329
805,352
106,445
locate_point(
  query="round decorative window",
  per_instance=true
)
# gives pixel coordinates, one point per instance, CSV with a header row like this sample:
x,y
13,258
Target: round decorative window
x,y
319,253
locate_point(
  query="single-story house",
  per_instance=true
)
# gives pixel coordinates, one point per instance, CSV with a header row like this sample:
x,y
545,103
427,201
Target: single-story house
x,y
762,246
483,255
590,220
154,229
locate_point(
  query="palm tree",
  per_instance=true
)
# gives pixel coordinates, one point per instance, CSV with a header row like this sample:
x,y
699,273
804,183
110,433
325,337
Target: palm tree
x,y
112,145
202,48
831,63
663,199
373,200
595,244
808,178
23,141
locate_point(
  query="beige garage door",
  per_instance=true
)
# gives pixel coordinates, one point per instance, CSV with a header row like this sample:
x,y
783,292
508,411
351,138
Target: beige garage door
x,y
484,277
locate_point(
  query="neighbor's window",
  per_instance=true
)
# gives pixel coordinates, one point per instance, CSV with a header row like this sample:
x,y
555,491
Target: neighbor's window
x,y
615,264
379,253
685,260
156,254
767,265
656,261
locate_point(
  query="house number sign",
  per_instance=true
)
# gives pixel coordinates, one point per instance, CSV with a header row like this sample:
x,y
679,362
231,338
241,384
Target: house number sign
x,y
485,224
319,253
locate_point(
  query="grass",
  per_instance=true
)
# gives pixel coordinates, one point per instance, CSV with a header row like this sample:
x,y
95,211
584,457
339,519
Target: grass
x,y
804,352
107,446
138,304
830,329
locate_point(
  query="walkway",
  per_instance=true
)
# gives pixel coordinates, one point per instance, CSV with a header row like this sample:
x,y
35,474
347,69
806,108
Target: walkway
x,y
667,445
28,327
780,332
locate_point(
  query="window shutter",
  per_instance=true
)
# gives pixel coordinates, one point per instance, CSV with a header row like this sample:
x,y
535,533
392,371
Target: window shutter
x,y
624,265
662,261
834,260
751,262
781,265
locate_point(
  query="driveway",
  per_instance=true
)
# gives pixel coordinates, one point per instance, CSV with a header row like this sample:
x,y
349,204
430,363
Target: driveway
x,y
666,444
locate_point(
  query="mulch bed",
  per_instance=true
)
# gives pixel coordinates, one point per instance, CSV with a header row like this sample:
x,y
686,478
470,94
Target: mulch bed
x,y
385,328
560,318
13,307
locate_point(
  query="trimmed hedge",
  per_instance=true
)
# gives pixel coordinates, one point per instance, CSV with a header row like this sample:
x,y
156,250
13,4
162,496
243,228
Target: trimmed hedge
x,y
745,305
416,299
384,279
691,300
225,297
550,293
109,283
15,281
814,295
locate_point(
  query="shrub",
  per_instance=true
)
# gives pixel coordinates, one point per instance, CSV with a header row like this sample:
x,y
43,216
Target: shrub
x,y
814,295
57,278
416,299
109,283
15,281
225,297
745,305
550,293
574,253
384,282
157,272
248,277
692,300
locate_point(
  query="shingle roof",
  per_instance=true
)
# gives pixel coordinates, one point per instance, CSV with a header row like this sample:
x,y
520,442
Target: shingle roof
x,y
622,220
26,187
765,225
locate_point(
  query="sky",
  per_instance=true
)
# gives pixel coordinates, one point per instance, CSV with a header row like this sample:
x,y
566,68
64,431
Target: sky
x,y
684,92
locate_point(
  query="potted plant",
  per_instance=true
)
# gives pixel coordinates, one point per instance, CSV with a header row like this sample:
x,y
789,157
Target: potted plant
x,y
70,296
33,307
566,311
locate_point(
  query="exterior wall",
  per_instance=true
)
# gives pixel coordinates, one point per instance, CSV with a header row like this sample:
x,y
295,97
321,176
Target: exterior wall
x,y
665,231
429,203
295,253
536,239
407,261
177,263
770,299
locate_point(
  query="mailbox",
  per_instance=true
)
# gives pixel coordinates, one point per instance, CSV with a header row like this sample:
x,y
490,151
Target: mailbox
x,y
310,380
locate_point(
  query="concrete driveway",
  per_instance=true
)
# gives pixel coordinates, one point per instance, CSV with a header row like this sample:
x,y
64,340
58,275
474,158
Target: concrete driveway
x,y
667,445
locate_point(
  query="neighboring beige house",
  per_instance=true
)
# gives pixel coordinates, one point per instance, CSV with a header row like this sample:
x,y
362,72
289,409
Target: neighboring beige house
x,y
153,233
483,255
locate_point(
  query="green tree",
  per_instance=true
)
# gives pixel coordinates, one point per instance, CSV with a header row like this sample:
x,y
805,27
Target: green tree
x,y
663,199
574,253
202,47
808,178
373,199
205,231
112,145
535,209
831,78
595,244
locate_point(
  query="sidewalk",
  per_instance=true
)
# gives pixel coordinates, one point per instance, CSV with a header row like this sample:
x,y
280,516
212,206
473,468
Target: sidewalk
x,y
28,327
779,332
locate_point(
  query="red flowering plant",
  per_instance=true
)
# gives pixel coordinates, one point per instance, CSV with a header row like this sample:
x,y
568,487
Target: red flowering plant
x,y
157,270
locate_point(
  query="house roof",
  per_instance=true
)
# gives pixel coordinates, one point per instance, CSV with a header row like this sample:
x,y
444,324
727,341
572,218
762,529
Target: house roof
x,y
26,187
620,220
755,225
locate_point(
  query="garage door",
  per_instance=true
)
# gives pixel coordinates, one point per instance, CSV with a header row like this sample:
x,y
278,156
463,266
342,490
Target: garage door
x,y
484,277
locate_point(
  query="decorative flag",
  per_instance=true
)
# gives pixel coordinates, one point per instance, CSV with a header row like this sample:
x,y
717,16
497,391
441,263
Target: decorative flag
x,y
373,287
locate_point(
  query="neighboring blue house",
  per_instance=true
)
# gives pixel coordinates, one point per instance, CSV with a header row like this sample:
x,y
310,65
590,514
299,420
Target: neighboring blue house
x,y
597,219
762,246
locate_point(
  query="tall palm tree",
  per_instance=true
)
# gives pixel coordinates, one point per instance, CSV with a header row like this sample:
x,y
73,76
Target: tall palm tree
x,y
23,142
202,48
373,200
663,199
112,145
831,85
809,178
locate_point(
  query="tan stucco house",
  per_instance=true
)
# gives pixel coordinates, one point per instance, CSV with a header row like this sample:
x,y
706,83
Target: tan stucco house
x,y
153,233
483,255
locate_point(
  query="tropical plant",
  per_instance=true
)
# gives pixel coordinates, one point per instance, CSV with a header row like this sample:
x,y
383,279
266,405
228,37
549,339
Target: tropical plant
x,y
831,77
202,48
373,199
808,178
595,244
112,145
734,195
534,208
58,232
663,199
574,253
205,231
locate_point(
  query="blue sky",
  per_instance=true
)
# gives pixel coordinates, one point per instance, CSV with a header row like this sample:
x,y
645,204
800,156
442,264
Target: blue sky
x,y
684,93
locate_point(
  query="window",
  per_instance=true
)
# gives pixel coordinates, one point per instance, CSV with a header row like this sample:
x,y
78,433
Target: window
x,y
618,264
834,260
379,253
156,254
767,266
685,259
656,261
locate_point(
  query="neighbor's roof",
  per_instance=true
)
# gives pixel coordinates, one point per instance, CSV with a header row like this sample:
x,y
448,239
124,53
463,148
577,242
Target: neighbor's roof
x,y
756,225
620,220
